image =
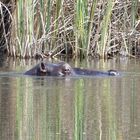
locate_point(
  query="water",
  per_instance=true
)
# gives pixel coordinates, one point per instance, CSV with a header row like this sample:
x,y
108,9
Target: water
x,y
76,108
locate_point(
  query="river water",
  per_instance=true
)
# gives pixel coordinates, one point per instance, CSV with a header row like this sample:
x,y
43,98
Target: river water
x,y
71,108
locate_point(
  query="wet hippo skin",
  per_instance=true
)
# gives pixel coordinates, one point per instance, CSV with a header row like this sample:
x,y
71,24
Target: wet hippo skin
x,y
64,69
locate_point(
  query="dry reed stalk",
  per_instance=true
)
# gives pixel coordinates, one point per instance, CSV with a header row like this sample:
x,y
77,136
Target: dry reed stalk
x,y
79,28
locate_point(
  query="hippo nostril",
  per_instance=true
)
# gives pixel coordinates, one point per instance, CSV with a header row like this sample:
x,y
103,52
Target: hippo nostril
x,y
66,70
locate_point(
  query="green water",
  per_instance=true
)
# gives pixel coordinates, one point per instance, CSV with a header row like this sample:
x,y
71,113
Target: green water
x,y
72,108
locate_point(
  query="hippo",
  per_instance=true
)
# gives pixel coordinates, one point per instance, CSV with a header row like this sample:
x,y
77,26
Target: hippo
x,y
64,69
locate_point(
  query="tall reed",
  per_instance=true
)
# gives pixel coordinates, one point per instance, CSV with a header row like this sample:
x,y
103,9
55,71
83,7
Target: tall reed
x,y
105,26
80,24
23,35
5,21
76,28
90,24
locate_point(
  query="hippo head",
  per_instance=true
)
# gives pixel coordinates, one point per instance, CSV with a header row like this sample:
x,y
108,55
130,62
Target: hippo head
x,y
65,69
52,69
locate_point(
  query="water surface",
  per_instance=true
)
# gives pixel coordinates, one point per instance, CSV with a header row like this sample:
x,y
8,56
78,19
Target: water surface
x,y
71,108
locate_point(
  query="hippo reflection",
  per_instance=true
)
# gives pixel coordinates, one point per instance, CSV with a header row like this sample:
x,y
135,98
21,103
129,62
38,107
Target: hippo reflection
x,y
64,69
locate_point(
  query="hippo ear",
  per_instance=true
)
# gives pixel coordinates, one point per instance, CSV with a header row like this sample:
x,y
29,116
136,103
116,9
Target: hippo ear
x,y
42,67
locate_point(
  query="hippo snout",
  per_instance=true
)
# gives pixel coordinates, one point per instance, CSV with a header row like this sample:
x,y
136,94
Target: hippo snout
x,y
113,73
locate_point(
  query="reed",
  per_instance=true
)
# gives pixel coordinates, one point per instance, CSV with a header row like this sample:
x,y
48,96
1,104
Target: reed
x,y
133,12
80,25
90,24
77,28
5,20
105,25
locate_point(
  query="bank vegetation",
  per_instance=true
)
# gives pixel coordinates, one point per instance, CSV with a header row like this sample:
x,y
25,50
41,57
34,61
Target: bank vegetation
x,y
49,28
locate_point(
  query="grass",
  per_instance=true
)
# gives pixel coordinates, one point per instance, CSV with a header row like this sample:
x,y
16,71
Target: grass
x,y
72,28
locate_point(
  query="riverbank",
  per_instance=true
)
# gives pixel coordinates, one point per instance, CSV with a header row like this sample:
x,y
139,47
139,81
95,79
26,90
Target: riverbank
x,y
97,29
